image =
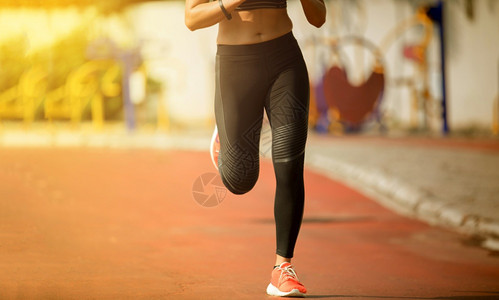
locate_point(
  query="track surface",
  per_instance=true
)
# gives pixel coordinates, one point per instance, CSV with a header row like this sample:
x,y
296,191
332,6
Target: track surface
x,y
124,224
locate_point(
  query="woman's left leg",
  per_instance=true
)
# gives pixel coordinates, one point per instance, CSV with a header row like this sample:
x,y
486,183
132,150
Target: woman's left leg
x,y
287,107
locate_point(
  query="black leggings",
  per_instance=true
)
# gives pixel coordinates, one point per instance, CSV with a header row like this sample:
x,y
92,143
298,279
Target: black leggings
x,y
249,78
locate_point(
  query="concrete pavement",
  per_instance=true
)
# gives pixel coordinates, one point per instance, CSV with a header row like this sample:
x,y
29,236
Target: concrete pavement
x,y
449,182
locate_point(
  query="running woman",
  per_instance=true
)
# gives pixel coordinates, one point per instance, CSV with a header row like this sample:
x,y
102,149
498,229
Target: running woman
x,y
259,66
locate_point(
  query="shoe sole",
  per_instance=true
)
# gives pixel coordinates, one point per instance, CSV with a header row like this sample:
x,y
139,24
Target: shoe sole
x,y
212,154
273,291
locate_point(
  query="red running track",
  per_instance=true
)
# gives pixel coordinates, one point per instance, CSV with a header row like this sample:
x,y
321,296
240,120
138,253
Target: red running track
x,y
124,224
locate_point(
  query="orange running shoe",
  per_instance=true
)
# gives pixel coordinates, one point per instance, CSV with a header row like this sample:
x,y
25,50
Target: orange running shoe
x,y
284,282
215,147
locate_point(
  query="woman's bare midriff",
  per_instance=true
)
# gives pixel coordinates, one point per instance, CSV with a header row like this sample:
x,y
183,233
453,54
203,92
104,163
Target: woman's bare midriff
x,y
254,26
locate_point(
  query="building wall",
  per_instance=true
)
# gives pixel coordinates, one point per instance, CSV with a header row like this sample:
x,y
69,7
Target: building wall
x,y
184,60
473,63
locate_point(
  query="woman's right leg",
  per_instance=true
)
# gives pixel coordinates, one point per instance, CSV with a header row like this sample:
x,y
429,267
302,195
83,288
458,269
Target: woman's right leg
x,y
239,101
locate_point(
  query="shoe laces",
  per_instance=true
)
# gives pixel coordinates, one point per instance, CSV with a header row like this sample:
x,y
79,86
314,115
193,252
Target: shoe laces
x,y
288,273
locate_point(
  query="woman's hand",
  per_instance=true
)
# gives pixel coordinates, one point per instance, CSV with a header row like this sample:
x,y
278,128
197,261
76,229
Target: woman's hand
x,y
202,13
315,11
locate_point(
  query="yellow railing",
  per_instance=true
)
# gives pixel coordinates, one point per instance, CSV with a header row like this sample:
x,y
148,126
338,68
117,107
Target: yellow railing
x,y
87,85
85,89
23,100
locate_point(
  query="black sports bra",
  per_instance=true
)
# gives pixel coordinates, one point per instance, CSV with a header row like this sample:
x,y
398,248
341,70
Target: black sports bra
x,y
256,4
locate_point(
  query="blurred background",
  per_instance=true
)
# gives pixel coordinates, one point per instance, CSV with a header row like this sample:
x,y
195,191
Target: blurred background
x,y
404,113
384,66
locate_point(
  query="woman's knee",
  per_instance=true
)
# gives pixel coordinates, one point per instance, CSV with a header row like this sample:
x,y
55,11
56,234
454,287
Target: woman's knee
x,y
289,172
238,182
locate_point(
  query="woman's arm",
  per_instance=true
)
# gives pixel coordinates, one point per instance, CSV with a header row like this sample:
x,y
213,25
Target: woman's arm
x,y
315,11
202,13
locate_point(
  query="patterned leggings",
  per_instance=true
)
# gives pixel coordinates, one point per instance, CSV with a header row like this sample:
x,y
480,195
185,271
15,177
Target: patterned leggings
x,y
271,75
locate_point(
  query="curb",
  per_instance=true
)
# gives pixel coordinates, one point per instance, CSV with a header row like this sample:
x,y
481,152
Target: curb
x,y
406,199
104,140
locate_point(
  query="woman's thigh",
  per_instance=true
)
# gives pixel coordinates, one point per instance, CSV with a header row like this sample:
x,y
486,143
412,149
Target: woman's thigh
x,y
241,89
288,106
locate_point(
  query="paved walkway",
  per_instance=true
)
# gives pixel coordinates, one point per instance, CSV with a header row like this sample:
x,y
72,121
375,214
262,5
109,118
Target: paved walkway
x,y
449,182
126,223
